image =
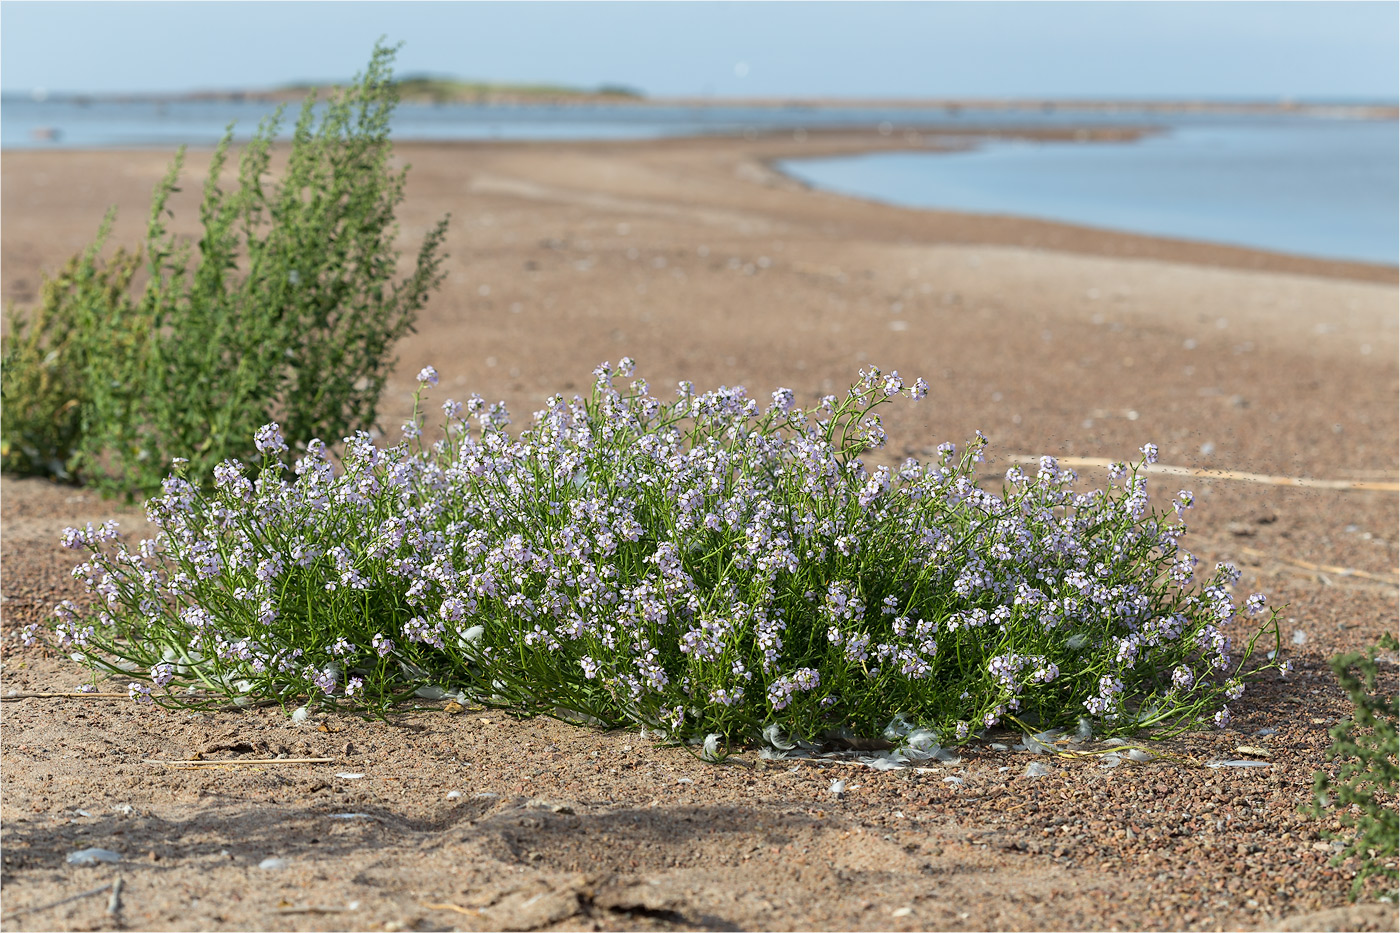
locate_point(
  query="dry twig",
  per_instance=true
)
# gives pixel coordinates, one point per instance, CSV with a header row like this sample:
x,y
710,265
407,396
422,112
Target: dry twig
x,y
313,909
52,696
460,910
1345,484
197,763
58,903
1320,568
114,903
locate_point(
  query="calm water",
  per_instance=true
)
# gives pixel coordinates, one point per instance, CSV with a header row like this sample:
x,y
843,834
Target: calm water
x,y
1314,187
1322,187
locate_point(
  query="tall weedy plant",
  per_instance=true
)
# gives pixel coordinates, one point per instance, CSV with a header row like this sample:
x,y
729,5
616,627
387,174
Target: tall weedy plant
x,y
287,307
1362,794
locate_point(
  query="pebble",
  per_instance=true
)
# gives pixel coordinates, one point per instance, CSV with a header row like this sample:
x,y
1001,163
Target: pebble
x,y
272,864
93,856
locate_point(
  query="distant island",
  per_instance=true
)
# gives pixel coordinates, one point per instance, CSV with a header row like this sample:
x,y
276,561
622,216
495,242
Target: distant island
x,y
438,90
415,89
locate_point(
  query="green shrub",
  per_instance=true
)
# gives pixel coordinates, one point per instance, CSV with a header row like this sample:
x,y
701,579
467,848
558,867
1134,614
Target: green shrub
x,y
46,355
1367,748
286,308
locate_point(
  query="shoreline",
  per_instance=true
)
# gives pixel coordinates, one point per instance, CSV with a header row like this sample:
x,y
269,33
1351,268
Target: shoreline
x,y
1338,109
756,154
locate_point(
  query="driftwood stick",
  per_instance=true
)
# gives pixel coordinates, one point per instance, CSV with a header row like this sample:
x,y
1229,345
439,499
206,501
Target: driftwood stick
x,y
313,909
52,696
199,763
114,903
1319,568
460,910
1346,484
58,903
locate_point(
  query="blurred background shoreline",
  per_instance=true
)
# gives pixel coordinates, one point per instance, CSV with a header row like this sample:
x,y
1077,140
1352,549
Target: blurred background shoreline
x,y
1306,178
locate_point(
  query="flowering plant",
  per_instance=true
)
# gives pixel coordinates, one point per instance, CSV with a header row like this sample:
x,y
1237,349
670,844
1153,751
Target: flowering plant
x,y
708,565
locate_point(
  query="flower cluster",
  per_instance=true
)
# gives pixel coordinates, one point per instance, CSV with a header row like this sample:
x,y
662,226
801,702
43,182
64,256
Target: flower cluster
x,y
707,565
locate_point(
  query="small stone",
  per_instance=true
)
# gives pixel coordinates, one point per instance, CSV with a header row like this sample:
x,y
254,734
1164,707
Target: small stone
x,y
93,856
273,864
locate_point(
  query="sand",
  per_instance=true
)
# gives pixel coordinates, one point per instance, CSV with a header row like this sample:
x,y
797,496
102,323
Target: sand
x,y
702,262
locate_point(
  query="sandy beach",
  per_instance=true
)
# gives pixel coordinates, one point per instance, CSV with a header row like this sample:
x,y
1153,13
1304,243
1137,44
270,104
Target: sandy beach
x,y
698,259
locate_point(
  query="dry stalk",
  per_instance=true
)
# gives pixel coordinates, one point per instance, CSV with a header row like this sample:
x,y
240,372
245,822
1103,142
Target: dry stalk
x,y
229,762
1162,468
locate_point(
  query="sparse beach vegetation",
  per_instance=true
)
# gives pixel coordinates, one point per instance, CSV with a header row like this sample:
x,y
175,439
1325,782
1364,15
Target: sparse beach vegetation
x,y
1361,796
708,567
287,307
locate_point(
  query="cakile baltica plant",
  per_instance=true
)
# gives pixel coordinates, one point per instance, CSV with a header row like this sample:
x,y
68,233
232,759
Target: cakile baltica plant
x,y
286,308
708,566
1362,795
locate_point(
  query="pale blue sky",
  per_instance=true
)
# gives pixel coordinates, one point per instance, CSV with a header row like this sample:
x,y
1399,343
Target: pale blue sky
x,y
1100,50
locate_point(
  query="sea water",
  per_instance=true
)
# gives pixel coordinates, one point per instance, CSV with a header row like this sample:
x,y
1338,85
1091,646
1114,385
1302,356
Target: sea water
x,y
78,123
1309,186
1301,184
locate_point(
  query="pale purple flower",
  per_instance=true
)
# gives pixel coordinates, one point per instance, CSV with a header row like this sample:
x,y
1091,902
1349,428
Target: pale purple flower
x,y
268,439
326,679
162,673
428,376
783,401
